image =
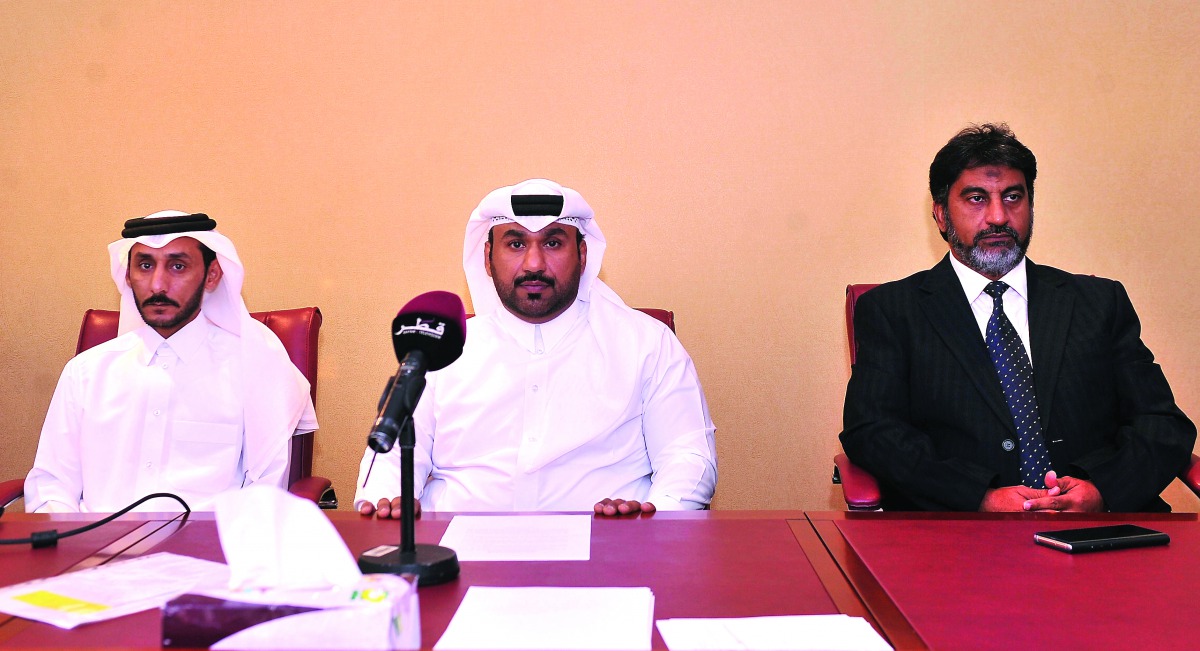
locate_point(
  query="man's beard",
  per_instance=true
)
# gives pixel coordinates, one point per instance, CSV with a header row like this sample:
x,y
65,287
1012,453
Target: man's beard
x,y
535,308
184,315
990,261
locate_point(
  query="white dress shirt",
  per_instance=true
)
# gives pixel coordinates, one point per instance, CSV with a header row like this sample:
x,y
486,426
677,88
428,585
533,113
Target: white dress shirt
x,y
141,414
559,416
1016,298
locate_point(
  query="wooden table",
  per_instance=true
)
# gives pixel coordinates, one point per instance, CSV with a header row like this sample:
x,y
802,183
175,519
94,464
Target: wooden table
x,y
977,581
698,564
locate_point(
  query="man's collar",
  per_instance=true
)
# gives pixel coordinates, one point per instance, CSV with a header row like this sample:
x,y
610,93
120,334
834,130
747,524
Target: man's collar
x,y
553,331
183,343
973,282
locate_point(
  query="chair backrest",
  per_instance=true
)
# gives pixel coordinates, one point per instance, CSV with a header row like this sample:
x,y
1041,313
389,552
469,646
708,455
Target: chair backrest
x,y
666,316
852,294
296,328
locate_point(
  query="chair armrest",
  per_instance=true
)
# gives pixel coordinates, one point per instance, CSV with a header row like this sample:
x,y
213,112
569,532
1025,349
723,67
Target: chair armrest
x,y
11,491
1191,475
310,488
858,486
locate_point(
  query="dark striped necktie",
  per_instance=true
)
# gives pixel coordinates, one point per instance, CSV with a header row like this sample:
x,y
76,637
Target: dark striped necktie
x,y
1016,377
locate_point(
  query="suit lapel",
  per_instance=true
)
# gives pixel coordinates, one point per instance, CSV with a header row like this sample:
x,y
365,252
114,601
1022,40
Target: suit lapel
x,y
1050,308
949,313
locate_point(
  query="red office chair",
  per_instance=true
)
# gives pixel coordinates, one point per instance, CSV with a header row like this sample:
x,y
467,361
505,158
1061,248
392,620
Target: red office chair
x,y
297,329
666,316
860,488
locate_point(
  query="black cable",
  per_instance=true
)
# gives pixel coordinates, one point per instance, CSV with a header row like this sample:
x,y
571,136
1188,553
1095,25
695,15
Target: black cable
x,y
50,537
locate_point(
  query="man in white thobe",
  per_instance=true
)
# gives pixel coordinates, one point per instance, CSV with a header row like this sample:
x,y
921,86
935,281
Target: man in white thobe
x,y
193,397
564,398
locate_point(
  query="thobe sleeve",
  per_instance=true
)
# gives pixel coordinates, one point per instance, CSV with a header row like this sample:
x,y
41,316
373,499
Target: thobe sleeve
x,y
679,433
383,480
55,484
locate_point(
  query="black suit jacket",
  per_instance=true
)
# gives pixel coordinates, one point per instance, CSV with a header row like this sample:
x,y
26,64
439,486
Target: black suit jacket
x,y
926,415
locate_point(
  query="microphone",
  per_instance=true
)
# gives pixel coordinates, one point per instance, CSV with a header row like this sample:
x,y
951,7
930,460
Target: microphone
x,y
428,335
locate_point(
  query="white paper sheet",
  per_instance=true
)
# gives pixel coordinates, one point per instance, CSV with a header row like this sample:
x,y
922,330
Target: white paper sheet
x,y
520,537
551,618
787,633
111,590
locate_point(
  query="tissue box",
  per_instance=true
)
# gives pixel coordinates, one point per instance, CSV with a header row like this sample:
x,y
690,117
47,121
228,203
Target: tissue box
x,y
379,612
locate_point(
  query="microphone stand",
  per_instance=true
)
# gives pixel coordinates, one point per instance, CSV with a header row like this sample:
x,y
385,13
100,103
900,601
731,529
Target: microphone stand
x,y
432,564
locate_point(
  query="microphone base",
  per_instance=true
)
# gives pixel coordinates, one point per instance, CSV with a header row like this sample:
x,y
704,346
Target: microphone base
x,y
432,564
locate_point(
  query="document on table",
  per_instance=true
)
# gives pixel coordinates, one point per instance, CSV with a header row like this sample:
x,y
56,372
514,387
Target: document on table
x,y
520,537
551,618
111,590
798,632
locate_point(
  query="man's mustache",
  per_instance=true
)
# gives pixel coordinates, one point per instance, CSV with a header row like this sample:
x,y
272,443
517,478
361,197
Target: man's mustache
x,y
534,277
159,299
997,230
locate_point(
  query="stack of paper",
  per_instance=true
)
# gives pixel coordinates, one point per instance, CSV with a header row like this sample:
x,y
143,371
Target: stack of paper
x,y
797,632
110,591
520,537
551,618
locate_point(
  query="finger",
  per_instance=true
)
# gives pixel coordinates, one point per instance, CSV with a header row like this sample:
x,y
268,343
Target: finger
x,y
631,506
417,509
367,508
648,507
1043,504
384,508
396,510
599,508
1051,479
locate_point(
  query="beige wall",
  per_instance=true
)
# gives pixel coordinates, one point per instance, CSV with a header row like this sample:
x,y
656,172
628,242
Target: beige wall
x,y
745,159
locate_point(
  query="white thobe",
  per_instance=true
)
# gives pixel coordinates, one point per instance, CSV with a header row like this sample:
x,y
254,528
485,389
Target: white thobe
x,y
141,414
559,416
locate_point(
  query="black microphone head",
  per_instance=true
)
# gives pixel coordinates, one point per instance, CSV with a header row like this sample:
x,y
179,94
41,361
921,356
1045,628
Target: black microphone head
x,y
434,323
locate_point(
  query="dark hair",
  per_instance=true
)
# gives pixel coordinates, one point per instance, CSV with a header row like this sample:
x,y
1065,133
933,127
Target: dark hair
x,y
976,146
207,254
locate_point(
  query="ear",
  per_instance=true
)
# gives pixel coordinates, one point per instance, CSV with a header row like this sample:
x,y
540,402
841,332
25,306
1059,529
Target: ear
x,y
939,218
487,258
213,277
582,255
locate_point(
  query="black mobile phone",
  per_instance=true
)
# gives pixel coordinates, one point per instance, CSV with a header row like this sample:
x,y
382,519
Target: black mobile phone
x,y
1094,539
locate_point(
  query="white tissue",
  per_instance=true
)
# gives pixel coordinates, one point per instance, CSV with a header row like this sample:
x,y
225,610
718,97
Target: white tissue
x,y
273,539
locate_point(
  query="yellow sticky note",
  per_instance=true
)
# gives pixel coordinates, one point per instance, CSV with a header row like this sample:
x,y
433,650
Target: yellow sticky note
x,y
53,601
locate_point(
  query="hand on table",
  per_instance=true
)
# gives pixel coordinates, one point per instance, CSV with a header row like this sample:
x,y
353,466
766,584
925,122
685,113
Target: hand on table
x,y
1067,494
610,506
388,509
1010,498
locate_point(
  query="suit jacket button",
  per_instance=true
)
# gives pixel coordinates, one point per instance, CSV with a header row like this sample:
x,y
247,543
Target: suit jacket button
x,y
1008,445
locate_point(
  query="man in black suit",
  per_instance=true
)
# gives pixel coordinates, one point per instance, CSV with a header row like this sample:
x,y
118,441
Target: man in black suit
x,y
943,406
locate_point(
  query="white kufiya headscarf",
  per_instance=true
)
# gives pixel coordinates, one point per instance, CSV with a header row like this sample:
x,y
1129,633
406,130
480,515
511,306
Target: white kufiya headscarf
x,y
497,208
223,306
277,393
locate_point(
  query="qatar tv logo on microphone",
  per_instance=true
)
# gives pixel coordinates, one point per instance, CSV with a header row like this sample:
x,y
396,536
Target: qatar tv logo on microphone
x,y
424,327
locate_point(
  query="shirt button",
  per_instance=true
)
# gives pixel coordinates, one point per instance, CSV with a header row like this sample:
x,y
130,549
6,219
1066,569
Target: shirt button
x,y
537,352
148,464
164,365
535,388
157,412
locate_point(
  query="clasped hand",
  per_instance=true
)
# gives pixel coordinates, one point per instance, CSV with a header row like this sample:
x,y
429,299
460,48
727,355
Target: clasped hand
x,y
1060,494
